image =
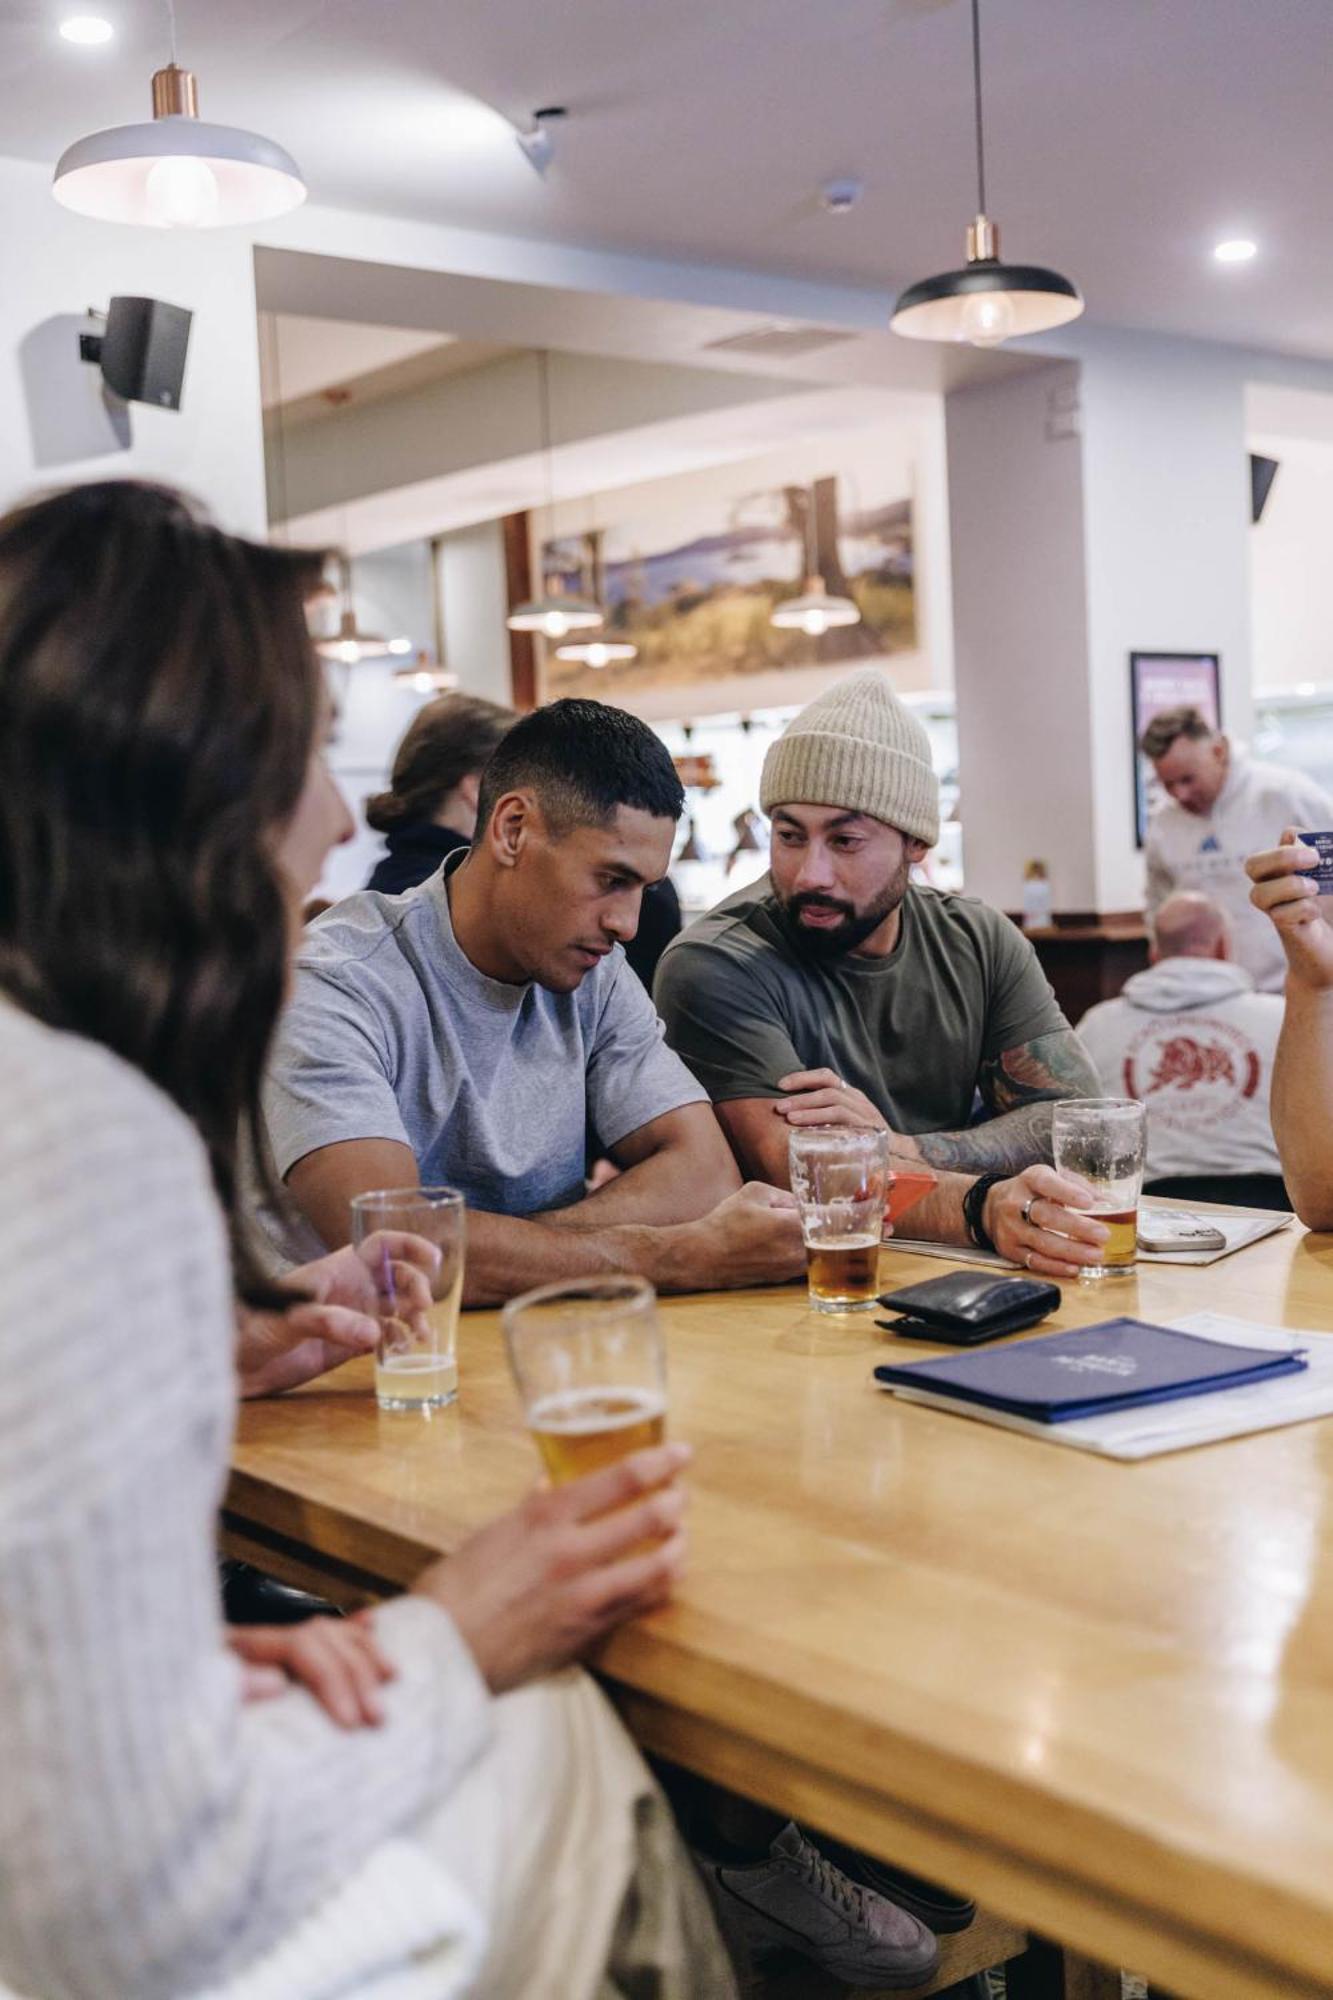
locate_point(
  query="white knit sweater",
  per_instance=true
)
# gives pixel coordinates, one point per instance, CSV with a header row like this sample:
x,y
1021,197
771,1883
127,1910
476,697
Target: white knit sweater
x,y
156,1835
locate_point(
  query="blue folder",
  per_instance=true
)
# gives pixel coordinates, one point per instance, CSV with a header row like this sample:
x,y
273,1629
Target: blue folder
x,y
1115,1365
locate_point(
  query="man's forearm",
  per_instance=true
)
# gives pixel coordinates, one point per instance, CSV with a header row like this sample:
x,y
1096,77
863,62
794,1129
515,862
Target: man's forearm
x,y
938,1218
508,1254
672,1186
1003,1145
1302,1102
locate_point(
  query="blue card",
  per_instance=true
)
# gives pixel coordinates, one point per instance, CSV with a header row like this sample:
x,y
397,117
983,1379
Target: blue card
x,y
1115,1365
1322,844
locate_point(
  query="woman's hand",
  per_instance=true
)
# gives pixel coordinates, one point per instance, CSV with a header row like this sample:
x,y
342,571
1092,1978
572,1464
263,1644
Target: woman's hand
x,y
335,1659
1035,1220
539,1586
336,1319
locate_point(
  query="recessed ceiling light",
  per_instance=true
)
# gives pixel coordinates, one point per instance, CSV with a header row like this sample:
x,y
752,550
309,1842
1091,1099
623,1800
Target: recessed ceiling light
x,y
89,31
1235,250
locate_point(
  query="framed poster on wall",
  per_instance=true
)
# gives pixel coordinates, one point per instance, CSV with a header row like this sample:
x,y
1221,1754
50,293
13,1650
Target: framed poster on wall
x,y
1159,681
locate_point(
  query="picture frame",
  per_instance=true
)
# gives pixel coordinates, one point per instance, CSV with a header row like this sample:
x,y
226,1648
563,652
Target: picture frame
x,y
1158,681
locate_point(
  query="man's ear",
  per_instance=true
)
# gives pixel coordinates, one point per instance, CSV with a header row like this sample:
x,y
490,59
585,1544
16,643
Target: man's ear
x,y
511,828
917,850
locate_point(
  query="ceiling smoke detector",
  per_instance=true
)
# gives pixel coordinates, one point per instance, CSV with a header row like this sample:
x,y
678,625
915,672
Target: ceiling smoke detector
x,y
840,197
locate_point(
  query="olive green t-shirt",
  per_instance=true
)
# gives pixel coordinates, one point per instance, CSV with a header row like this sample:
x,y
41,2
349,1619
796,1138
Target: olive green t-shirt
x,y
744,1004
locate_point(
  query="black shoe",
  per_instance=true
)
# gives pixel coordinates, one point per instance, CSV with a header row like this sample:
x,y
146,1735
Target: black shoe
x,y
939,1909
251,1598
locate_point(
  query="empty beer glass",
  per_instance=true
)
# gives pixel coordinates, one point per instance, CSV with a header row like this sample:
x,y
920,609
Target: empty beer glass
x,y
416,1362
590,1365
839,1176
1101,1140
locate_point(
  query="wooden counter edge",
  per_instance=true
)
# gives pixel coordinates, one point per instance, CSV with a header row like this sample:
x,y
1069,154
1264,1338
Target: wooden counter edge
x,y
1156,1929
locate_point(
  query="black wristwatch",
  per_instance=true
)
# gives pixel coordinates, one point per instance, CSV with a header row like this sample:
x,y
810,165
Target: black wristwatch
x,y
974,1202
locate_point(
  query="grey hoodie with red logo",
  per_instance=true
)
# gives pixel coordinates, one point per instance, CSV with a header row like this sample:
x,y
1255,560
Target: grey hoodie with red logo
x,y
1192,1039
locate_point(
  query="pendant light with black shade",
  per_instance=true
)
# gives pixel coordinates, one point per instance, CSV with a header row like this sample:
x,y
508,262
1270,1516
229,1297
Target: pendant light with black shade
x,y
986,301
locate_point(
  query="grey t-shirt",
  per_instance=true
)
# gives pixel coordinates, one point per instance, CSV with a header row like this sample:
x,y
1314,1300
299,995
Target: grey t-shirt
x,y
392,1033
745,1005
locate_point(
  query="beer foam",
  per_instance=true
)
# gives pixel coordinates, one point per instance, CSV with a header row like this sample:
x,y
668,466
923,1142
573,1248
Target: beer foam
x,y
575,1412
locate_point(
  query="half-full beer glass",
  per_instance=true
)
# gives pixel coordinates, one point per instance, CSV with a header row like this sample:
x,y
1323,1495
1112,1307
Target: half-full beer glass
x,y
1101,1140
590,1365
416,1362
839,1176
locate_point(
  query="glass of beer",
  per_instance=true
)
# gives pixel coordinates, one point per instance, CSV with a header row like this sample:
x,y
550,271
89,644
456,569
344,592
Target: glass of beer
x,y
840,1177
590,1365
416,1362
1101,1140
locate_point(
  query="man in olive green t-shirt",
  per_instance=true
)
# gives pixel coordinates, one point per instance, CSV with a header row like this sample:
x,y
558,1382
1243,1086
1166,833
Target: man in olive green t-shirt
x,y
835,991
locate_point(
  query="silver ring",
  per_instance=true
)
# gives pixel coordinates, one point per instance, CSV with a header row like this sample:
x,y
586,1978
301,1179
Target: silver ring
x,y
1027,1260
1026,1210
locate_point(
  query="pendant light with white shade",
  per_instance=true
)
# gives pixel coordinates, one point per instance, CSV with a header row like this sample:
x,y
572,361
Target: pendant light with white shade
x,y
551,613
986,301
816,611
597,652
178,172
349,645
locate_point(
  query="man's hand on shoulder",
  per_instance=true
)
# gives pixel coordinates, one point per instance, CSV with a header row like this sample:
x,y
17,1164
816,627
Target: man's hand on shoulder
x,y
1290,896
820,1097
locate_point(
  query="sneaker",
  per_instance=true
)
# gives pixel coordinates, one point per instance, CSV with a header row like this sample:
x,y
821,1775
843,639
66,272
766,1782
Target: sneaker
x,y
939,1909
799,1900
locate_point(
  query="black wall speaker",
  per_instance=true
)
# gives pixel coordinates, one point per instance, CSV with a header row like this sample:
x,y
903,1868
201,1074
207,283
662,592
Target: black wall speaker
x,y
1263,471
142,352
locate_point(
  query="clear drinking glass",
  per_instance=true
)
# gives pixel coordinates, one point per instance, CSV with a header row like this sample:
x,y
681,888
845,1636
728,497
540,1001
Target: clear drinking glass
x,y
416,1362
840,1177
590,1365
1101,1141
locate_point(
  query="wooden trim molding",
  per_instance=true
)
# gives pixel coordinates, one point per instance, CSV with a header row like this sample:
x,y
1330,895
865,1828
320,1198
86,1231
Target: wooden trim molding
x,y
518,588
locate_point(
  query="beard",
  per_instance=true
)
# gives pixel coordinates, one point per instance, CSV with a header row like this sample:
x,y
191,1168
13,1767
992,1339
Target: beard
x,y
856,926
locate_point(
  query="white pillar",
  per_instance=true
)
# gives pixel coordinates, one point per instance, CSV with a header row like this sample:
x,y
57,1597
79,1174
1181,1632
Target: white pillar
x,y
1097,507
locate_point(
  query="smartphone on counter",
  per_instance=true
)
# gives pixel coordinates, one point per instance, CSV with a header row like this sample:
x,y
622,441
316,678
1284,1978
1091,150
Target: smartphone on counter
x,y
1161,1231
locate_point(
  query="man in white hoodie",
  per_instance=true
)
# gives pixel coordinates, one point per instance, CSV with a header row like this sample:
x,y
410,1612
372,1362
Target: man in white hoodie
x,y
1223,807
1195,1043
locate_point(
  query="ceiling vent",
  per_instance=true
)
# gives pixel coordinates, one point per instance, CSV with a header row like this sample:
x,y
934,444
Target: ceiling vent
x,y
779,343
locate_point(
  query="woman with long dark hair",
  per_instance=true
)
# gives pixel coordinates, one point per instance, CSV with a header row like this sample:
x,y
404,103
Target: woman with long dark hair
x,y
163,810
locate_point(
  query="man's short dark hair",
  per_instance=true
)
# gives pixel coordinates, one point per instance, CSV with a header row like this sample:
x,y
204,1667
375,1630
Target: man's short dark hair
x,y
583,760
1173,723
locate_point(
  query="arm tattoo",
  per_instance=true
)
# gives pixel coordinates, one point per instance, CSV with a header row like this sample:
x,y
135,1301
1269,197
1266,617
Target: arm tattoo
x,y
1019,1086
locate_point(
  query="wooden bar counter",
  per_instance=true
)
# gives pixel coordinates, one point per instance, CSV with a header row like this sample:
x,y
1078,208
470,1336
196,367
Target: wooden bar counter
x,y
1097,1696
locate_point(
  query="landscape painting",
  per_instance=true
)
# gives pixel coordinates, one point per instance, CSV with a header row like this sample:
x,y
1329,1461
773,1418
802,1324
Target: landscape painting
x,y
696,594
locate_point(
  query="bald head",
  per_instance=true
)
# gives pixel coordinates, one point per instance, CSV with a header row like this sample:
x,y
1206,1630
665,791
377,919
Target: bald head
x,y
1191,926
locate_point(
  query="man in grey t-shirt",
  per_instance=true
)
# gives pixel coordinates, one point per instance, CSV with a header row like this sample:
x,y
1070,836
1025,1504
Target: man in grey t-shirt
x,y
478,1030
834,992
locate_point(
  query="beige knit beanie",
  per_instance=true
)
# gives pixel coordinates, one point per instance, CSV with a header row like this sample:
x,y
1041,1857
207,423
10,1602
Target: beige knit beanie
x,y
859,748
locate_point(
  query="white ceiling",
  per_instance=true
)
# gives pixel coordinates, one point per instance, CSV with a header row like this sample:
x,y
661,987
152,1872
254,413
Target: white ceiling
x,y
1125,135
597,465
303,356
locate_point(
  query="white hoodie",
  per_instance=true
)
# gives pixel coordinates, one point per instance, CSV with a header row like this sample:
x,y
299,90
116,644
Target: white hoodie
x,y
1193,1040
1208,851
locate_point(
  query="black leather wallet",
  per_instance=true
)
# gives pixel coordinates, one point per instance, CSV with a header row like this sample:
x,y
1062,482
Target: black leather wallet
x,y
963,1308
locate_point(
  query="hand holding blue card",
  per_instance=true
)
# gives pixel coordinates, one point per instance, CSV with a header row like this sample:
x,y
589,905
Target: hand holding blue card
x,y
1322,844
